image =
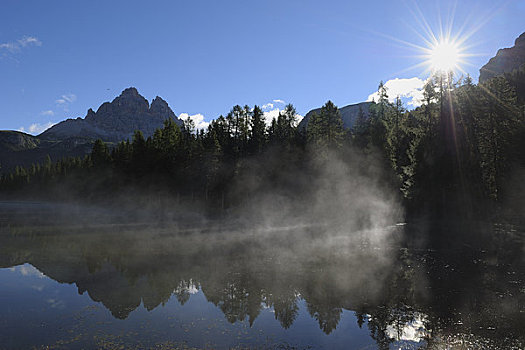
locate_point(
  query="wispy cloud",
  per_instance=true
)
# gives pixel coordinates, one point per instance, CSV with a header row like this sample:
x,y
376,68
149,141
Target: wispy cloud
x,y
279,101
27,270
29,40
16,46
49,113
198,119
36,128
410,90
65,99
56,304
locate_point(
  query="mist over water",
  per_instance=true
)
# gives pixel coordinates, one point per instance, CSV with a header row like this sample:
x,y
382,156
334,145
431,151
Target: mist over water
x,y
328,267
362,280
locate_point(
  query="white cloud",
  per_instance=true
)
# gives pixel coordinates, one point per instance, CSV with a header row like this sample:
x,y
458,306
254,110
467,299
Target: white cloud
x,y
198,119
414,330
269,115
56,304
66,99
29,40
270,111
274,113
409,90
15,46
48,113
27,270
36,128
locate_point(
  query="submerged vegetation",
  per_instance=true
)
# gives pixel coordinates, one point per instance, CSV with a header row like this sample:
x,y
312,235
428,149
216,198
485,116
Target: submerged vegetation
x,y
459,152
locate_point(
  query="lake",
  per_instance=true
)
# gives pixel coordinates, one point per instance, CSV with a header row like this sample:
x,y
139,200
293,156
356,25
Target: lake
x,y
73,278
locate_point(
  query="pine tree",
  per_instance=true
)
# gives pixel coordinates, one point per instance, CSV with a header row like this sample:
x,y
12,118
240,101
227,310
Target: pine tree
x,y
258,131
100,156
325,129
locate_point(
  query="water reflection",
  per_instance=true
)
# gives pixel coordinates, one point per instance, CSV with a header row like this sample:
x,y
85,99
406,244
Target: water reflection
x,y
408,289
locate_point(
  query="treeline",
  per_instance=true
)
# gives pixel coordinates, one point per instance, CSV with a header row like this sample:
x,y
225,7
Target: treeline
x,y
180,161
459,150
454,152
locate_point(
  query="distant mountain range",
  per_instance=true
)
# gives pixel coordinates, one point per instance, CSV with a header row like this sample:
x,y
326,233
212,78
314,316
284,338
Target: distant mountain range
x,y
117,120
18,148
112,122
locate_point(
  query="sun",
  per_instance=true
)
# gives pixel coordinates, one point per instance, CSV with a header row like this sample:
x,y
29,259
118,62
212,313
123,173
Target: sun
x,y
444,56
441,47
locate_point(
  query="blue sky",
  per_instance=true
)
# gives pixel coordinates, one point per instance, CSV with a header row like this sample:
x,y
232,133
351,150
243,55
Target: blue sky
x,y
59,58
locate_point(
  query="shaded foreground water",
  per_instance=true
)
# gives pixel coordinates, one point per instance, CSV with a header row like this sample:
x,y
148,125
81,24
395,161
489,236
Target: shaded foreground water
x,y
76,279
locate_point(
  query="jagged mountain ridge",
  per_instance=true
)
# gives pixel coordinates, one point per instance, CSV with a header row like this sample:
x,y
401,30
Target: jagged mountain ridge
x,y
505,61
113,122
117,120
348,114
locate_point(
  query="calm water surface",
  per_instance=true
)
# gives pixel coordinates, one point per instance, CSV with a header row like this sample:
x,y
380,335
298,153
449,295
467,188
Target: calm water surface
x,y
71,279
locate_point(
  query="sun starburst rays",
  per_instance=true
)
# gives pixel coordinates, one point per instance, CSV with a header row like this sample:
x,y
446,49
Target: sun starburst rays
x,y
444,55
446,47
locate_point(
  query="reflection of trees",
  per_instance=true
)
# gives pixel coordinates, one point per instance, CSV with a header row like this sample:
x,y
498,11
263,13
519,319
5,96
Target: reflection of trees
x,y
327,316
377,326
285,307
240,275
323,301
183,291
233,300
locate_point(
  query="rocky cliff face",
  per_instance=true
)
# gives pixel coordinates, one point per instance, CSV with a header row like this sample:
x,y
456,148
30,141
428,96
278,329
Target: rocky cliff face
x,y
348,114
117,120
505,61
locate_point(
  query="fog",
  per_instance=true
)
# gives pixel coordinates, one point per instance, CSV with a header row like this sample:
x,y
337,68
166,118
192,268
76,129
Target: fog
x,y
341,243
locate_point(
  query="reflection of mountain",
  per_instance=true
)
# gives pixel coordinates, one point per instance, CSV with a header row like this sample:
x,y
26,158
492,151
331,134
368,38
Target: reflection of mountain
x,y
241,273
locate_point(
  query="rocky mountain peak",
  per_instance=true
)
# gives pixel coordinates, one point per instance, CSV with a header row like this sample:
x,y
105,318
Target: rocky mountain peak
x,y
116,120
520,40
505,61
131,91
158,101
90,114
160,107
131,100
